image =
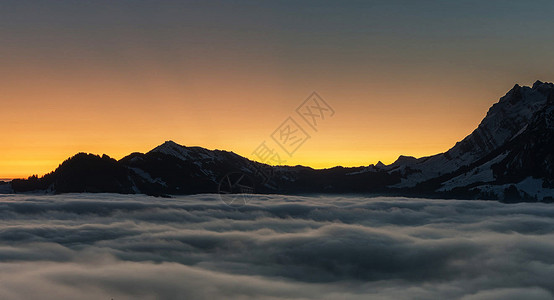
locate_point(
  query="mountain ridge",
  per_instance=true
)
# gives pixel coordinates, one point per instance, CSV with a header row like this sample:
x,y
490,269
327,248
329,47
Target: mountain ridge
x,y
509,152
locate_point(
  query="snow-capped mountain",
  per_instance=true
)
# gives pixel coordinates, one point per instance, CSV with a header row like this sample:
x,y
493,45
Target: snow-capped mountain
x,y
509,156
504,120
506,139
174,169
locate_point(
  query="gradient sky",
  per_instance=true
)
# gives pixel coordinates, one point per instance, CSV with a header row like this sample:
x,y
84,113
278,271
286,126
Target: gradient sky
x,y
114,77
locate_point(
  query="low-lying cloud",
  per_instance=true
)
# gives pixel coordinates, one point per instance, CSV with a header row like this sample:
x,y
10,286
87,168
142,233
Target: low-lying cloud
x,y
278,247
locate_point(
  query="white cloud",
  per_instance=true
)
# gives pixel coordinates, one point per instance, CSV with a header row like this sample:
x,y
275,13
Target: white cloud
x,y
278,247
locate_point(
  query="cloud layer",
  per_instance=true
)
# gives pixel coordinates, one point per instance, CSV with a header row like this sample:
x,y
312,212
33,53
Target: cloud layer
x,y
277,247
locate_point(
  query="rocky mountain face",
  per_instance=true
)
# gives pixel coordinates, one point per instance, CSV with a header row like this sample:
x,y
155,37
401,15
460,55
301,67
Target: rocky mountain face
x,y
509,156
511,149
504,120
174,169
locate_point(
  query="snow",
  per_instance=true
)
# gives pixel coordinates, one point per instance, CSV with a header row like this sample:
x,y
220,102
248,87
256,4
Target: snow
x,y
187,153
520,132
370,168
147,176
531,186
505,120
173,149
483,173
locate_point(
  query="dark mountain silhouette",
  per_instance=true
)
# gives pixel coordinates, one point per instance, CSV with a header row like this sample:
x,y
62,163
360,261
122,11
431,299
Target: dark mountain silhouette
x,y
82,173
509,156
5,187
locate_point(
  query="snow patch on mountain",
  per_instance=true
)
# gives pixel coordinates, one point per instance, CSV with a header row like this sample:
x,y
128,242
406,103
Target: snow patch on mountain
x,y
482,173
530,186
504,121
173,149
147,176
195,154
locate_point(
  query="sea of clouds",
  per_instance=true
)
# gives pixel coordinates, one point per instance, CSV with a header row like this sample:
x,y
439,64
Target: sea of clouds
x,y
104,246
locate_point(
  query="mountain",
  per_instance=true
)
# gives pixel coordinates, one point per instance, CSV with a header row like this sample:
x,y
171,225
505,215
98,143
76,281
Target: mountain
x,y
5,187
504,120
510,150
509,156
82,173
174,169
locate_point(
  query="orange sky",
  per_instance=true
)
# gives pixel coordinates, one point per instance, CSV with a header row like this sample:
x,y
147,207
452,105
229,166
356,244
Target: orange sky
x,y
65,114
115,81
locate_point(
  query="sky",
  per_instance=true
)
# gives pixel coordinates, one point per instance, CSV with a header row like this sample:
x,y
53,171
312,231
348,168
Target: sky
x,y
115,77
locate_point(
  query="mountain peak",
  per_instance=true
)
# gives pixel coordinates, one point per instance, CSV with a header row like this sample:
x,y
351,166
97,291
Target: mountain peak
x,y
170,143
169,147
403,159
506,118
544,88
537,84
513,96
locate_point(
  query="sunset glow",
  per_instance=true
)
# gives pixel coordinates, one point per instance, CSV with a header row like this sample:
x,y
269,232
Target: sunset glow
x,y
115,79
